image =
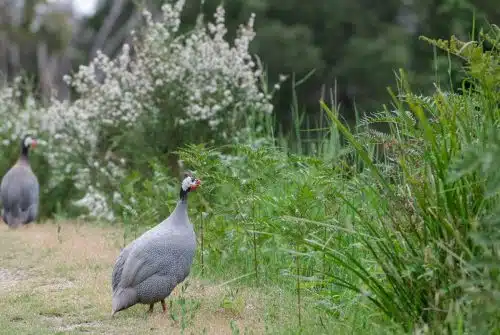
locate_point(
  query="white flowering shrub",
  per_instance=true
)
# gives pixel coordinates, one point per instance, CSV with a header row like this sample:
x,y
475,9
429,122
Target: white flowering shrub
x,y
17,114
164,91
214,82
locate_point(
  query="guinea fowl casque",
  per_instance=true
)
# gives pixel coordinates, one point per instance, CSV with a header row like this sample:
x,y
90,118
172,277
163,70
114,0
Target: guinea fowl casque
x,y
150,267
19,189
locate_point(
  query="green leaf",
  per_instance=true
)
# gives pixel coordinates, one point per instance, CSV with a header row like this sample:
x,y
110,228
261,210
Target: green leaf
x,y
469,162
493,183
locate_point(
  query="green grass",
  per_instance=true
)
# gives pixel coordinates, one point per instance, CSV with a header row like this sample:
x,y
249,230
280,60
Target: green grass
x,y
59,283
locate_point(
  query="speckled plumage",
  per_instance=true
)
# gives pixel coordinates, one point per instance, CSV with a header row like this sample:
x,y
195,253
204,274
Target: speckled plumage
x,y
150,267
19,192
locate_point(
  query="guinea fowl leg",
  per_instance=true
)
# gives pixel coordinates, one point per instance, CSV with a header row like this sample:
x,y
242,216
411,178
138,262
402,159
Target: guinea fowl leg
x,y
163,305
150,310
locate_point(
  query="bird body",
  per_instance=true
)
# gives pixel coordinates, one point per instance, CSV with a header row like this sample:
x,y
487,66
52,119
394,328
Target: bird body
x,y
149,268
19,190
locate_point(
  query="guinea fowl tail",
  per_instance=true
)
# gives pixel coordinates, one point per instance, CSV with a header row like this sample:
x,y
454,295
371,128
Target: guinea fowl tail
x,y
123,298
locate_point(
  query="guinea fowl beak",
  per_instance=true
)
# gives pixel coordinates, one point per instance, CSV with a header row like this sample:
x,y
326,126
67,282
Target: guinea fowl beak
x,y
196,184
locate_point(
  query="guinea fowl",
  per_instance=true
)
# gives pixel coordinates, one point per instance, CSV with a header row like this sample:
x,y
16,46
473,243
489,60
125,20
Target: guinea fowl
x,y
19,190
150,267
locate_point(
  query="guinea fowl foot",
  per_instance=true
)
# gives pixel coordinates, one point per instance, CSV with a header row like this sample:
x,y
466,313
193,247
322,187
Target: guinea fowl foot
x,y
163,305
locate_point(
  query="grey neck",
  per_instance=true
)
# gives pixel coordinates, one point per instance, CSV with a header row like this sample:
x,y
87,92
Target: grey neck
x,y
23,159
179,214
181,206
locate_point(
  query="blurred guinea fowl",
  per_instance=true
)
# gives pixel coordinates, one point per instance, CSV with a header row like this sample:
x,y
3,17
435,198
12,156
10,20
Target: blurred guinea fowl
x,y
19,190
150,267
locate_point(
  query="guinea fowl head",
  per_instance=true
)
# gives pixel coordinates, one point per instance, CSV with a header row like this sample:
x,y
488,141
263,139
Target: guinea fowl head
x,y
27,142
189,183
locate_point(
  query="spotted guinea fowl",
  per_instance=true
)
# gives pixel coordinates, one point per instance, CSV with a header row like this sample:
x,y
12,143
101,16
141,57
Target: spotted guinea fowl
x,y
150,267
19,189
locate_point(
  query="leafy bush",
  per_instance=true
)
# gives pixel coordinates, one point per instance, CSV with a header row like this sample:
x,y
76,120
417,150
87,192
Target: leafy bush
x,y
177,89
164,91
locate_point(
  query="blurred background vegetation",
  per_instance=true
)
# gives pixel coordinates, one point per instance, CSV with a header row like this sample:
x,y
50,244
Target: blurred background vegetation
x,y
370,210
353,46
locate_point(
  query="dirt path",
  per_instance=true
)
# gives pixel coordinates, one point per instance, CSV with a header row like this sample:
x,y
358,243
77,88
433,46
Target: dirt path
x,y
59,283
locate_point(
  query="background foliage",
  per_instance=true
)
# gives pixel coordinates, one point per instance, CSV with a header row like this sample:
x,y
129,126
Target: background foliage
x,y
391,220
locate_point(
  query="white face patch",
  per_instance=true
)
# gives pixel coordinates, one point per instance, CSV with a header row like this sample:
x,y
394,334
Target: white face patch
x,y
188,182
28,141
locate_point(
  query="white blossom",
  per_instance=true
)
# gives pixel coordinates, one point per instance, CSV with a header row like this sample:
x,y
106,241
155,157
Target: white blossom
x,y
213,83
